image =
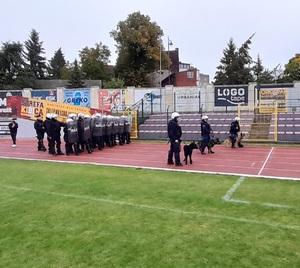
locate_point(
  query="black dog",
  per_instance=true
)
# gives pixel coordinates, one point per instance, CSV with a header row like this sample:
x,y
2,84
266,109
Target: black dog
x,y
188,151
211,144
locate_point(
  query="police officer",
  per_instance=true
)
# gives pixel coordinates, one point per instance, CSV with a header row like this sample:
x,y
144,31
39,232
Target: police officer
x,y
127,129
48,130
71,135
205,133
174,134
39,127
84,133
234,129
55,135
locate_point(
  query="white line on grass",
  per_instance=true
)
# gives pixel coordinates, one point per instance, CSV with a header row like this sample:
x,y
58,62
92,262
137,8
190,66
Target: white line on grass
x,y
227,197
266,161
143,206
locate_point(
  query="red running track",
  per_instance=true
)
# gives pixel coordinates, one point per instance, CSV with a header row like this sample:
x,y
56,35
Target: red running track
x,y
257,161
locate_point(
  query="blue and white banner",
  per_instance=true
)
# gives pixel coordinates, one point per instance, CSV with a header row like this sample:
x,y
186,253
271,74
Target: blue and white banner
x,y
78,97
49,95
231,95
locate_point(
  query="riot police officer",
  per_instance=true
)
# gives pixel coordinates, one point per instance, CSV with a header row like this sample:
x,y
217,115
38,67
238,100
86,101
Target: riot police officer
x,y
55,135
84,133
174,134
39,127
71,135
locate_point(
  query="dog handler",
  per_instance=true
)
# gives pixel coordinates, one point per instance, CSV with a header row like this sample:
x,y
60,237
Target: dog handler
x,y
174,134
205,133
234,129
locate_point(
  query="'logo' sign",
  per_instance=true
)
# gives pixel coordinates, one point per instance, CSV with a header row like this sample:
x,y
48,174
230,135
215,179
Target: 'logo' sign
x,y
231,96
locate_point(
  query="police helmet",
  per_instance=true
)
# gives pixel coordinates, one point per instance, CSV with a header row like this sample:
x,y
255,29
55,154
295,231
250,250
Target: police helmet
x,y
69,120
174,115
54,116
204,117
237,119
81,115
72,116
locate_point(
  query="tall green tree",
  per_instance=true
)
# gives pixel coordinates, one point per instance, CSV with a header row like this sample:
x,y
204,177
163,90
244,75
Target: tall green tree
x,y
94,62
235,67
13,71
227,70
56,64
138,46
75,80
260,74
33,55
292,69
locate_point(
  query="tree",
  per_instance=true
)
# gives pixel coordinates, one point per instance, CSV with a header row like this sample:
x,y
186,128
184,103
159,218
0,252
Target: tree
x,y
260,74
235,67
292,69
94,62
13,72
138,46
33,56
113,83
76,77
56,64
228,67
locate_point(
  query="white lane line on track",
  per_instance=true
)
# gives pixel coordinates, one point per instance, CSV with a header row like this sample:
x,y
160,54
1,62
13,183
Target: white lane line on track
x,y
266,161
170,210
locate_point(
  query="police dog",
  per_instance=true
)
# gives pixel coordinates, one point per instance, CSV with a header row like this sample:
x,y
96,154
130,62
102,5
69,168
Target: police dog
x,y
188,151
238,140
212,142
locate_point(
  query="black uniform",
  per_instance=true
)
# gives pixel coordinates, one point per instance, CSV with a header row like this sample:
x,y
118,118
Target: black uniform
x,y
174,133
205,133
55,135
13,129
39,127
234,129
71,137
48,127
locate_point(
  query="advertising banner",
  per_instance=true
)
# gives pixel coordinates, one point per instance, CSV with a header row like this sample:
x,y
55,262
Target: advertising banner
x,y
5,110
29,108
187,99
151,99
50,95
231,96
78,97
111,99
271,96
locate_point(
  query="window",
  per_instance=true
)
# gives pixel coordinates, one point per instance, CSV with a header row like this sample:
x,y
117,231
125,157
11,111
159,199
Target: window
x,y
190,74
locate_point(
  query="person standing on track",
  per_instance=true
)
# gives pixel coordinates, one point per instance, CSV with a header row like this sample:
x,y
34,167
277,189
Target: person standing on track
x,y
13,129
234,130
174,134
205,133
40,133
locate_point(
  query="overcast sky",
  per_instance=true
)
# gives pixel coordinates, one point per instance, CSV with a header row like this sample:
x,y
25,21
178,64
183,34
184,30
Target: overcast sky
x,y
200,29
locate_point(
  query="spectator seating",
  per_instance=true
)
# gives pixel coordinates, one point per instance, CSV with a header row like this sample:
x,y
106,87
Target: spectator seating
x,y
155,128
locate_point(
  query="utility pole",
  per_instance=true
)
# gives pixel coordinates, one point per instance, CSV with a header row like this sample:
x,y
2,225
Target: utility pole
x,y
160,90
169,65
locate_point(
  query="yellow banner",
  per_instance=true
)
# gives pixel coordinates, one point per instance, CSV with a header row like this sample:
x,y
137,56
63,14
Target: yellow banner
x,y
31,108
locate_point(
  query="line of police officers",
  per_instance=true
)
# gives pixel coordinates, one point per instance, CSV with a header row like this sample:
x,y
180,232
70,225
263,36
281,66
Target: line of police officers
x,y
82,132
